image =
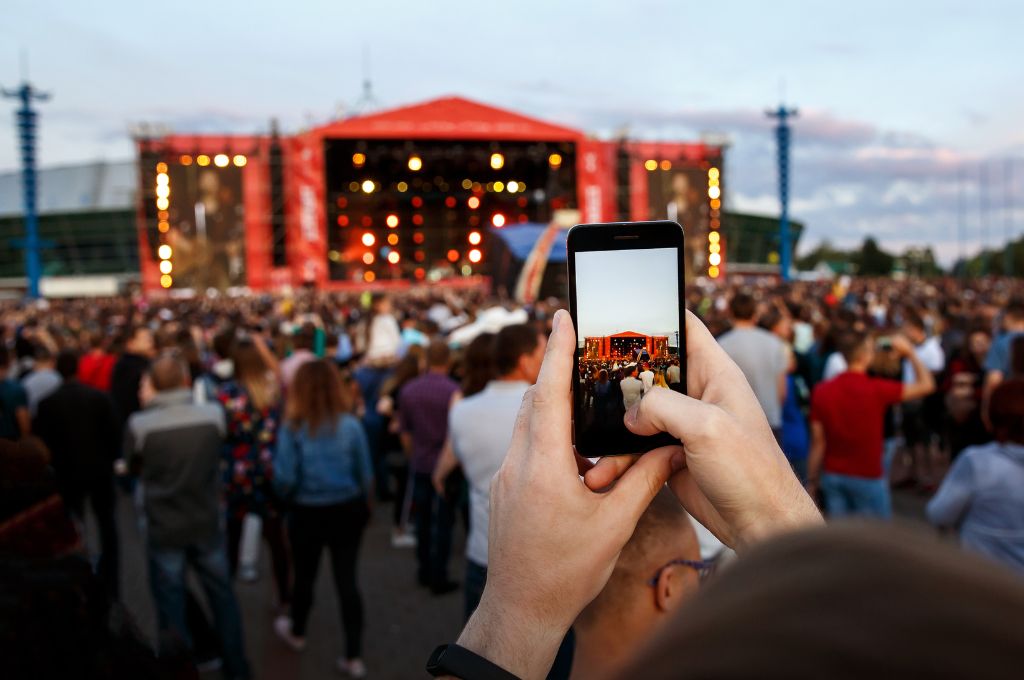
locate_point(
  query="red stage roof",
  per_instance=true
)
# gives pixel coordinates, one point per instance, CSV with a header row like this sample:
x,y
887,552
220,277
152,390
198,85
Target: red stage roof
x,y
448,118
628,334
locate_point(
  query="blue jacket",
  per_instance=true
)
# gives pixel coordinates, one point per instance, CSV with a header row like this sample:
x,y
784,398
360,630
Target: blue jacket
x,y
327,467
982,497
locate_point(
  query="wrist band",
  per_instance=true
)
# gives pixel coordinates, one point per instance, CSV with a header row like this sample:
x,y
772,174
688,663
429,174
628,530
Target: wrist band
x,y
462,663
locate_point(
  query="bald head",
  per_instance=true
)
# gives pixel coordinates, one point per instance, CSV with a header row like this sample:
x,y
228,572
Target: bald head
x,y
168,372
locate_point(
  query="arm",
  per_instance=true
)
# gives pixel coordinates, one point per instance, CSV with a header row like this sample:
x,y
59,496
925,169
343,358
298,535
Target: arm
x,y
992,381
364,468
951,501
269,358
924,383
24,419
445,464
816,456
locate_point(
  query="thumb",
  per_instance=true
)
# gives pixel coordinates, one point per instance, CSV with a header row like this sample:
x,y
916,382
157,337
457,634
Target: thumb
x,y
641,483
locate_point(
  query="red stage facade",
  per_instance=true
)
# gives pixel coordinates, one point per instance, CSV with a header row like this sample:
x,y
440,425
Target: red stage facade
x,y
399,196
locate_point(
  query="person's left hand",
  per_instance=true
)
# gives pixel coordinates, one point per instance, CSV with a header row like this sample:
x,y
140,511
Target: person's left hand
x,y
553,542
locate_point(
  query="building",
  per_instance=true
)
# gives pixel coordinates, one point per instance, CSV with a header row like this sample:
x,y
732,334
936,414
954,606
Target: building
x,y
627,345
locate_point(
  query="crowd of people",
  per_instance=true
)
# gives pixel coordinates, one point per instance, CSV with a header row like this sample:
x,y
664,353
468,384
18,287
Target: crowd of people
x,y
284,421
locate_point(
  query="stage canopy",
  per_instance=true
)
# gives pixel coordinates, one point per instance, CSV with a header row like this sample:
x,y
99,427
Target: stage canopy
x,y
449,118
520,239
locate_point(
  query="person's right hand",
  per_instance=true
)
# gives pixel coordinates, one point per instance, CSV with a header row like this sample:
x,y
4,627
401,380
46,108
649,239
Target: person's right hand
x,y
902,346
736,482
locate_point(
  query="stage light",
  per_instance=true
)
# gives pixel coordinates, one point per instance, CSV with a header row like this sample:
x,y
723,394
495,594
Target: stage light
x,y
369,277
713,173
714,259
513,187
473,202
453,255
475,237
714,237
161,167
477,187
712,182
715,248
393,239
394,257
489,187
163,215
420,272
466,270
342,220
221,160
415,163
203,160
163,191
162,203
651,165
164,252
358,159
185,160
666,165
166,281
392,221
417,237
449,202
713,272
522,187
239,160
716,203
498,220
497,161
367,258
523,217
368,239
499,186
166,266
402,187
417,202
475,255
467,184
419,256
555,160
368,186
163,226
417,219
334,256
714,192
162,179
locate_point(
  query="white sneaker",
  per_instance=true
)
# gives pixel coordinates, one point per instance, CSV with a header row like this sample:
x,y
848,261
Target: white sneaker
x,y
403,539
354,668
283,628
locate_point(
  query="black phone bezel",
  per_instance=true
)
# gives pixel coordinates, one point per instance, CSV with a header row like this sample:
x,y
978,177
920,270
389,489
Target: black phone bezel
x,y
625,236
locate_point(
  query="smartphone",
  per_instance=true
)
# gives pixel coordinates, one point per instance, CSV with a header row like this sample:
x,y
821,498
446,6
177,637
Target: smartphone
x,y
627,301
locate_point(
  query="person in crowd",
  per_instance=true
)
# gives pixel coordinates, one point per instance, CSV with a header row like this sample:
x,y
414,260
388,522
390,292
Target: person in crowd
x,y
383,341
303,342
632,388
981,495
96,365
79,425
43,380
397,462
15,421
672,373
221,368
795,440
480,427
252,406
847,428
602,391
659,380
129,369
647,378
174,445
999,362
424,404
658,570
963,389
920,422
763,358
322,468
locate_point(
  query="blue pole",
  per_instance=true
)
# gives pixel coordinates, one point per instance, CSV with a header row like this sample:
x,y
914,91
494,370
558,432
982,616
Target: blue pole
x,y
782,140
26,117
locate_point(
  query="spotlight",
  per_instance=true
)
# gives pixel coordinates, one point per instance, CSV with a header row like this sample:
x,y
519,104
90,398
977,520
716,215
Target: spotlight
x,y
221,160
164,252
368,186
239,160
555,160
358,159
392,221
475,238
394,257
497,161
203,160
415,163
473,202
166,266
651,165
368,258
714,259
475,255
498,220
166,281
368,239
453,255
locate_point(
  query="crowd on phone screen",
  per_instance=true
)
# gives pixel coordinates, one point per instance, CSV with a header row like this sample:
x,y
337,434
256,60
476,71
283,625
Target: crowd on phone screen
x,y
287,420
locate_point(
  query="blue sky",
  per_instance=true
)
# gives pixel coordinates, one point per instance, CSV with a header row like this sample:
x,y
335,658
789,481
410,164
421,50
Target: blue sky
x,y
627,290
896,98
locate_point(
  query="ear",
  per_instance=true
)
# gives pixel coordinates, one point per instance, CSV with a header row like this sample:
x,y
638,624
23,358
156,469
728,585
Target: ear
x,y
674,583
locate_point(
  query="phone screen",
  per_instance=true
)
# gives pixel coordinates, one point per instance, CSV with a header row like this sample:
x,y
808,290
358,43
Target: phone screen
x,y
629,335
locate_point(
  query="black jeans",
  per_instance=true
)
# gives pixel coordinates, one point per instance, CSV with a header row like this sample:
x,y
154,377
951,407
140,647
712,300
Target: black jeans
x,y
434,517
339,527
103,499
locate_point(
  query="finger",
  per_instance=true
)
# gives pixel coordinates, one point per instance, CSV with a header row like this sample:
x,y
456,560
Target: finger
x,y
697,504
685,418
583,465
556,371
644,479
607,470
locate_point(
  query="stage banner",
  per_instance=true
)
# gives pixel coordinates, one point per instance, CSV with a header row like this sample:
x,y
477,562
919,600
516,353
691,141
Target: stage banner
x,y
307,229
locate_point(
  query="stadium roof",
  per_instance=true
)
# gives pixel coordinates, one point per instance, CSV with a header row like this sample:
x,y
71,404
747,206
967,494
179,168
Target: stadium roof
x,y
449,118
89,187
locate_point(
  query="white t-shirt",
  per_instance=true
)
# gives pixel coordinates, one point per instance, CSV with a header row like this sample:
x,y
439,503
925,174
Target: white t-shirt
x,y
672,374
632,390
931,355
647,378
480,428
834,365
385,338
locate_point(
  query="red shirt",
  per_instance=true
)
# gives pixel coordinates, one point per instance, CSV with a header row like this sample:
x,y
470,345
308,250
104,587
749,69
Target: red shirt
x,y
851,408
95,368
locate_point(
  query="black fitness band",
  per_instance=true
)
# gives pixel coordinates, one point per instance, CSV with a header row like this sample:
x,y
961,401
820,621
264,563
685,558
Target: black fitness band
x,y
462,663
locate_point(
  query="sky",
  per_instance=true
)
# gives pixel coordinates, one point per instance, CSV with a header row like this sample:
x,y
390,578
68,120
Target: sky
x,y
627,290
897,101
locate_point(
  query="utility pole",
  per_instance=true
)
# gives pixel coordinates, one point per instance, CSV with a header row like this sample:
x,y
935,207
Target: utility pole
x,y
26,116
782,114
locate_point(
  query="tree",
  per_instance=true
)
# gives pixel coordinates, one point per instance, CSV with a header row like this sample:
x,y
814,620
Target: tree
x,y
872,260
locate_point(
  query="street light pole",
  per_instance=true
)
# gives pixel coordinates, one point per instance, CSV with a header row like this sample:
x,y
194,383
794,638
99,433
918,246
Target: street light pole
x,y
782,114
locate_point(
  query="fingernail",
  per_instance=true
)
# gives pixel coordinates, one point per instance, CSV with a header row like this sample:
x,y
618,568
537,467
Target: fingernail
x,y
555,321
678,461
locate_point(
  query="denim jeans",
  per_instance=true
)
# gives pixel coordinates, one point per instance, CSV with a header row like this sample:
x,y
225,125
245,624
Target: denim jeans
x,y
434,517
847,495
167,581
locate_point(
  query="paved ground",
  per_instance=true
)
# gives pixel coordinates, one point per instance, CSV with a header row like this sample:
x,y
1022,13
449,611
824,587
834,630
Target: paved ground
x,y
403,622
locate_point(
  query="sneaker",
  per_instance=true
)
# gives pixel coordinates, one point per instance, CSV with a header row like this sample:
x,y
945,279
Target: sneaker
x,y
353,668
283,628
403,539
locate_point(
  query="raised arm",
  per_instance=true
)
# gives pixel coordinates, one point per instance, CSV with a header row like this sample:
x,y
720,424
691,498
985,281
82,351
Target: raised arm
x,y
924,382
